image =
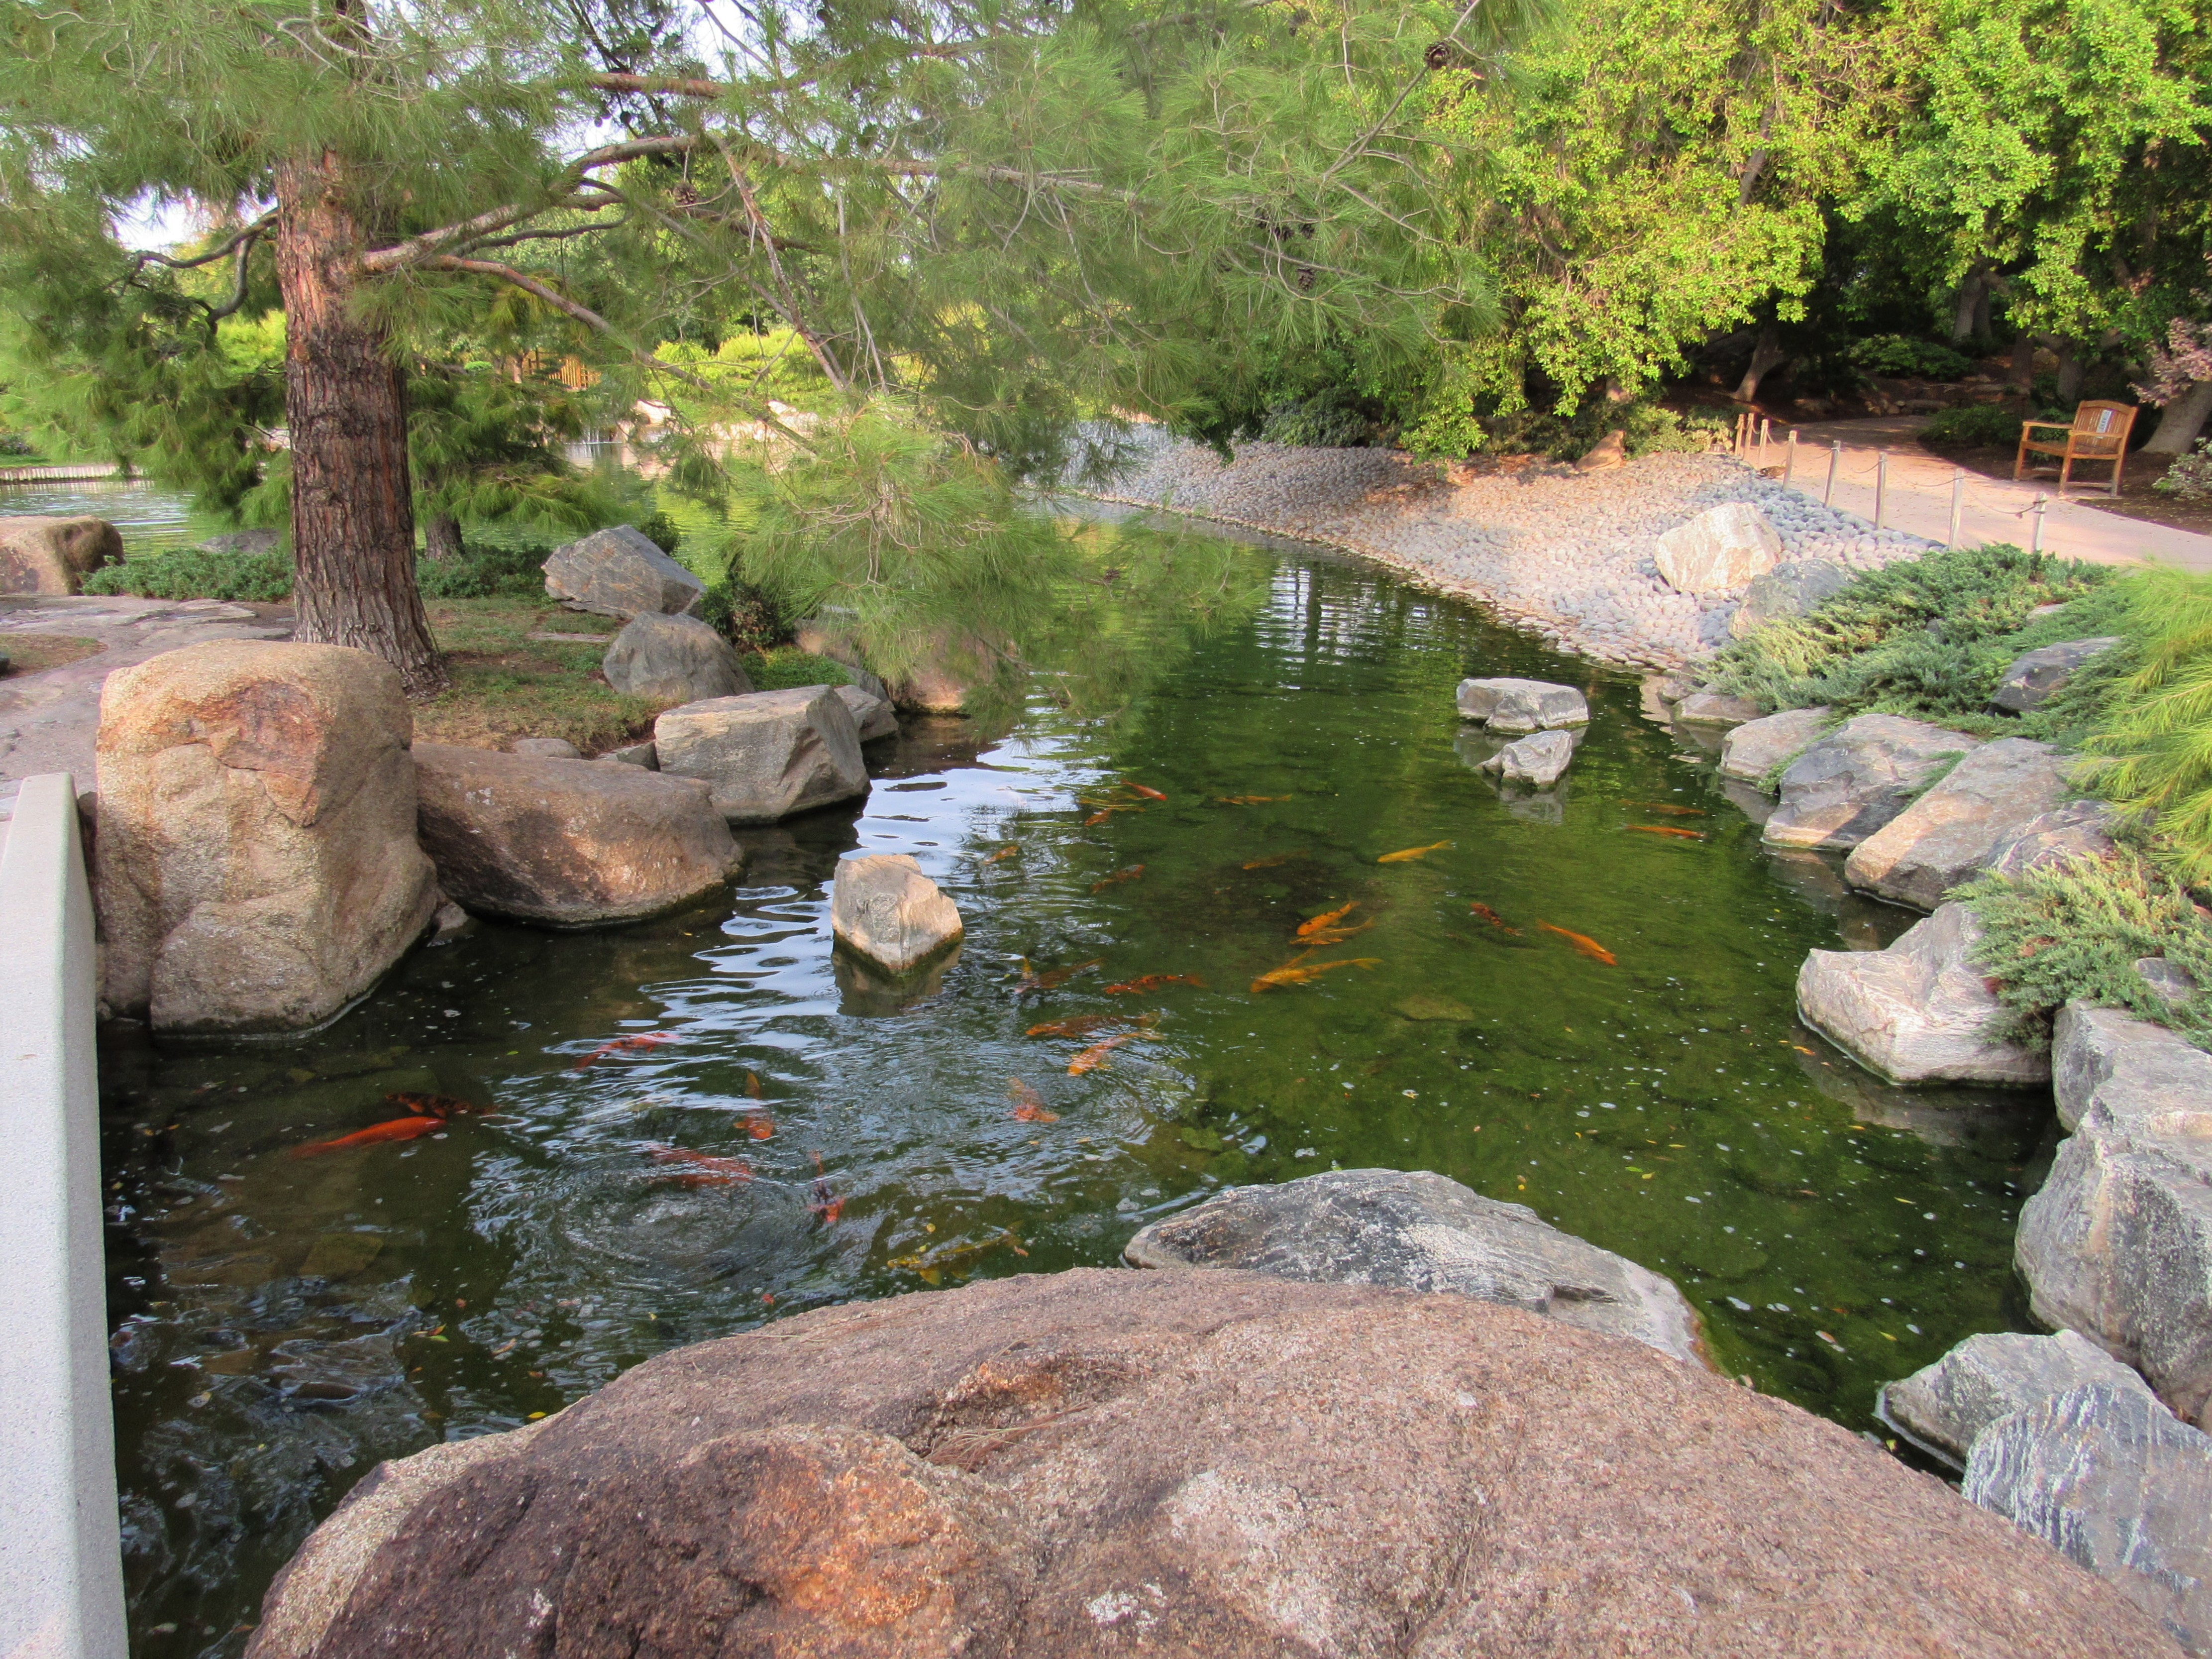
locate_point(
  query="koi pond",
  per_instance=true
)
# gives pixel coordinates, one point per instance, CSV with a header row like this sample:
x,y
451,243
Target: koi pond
x,y
281,1323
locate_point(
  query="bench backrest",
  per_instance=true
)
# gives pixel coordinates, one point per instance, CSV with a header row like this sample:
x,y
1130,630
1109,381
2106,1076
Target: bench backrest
x,y
2105,425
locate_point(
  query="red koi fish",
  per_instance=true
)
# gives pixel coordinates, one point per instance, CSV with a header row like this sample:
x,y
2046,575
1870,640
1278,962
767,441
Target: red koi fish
x,y
1493,918
1665,829
1052,978
1583,943
1140,789
400,1128
1664,806
699,1169
826,1205
629,1045
1029,1104
440,1107
1133,986
1118,878
1010,851
1096,1055
1248,800
1083,1025
759,1125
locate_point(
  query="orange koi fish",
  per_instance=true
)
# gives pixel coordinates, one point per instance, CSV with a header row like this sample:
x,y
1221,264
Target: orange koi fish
x,y
1583,943
1332,935
400,1128
1013,849
1664,806
440,1107
1247,800
1271,861
759,1125
1411,852
753,1085
629,1045
1117,878
1665,829
1326,919
1131,986
1052,978
1292,973
1083,1025
1095,1056
1106,813
826,1205
1140,789
1029,1104
1493,918
699,1168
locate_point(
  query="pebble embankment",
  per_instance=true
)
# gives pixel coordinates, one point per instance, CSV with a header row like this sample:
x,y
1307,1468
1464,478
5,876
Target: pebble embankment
x,y
1564,554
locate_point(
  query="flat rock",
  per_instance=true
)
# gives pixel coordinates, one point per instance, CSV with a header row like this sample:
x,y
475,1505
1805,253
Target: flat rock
x,y
546,748
2034,678
2118,1244
1505,704
1789,590
620,573
882,906
567,843
673,659
767,755
874,716
1915,1012
1952,833
1538,758
1720,550
1942,1407
1417,1231
1755,749
1858,777
1713,709
2108,1476
256,867
51,555
1224,1464
2076,831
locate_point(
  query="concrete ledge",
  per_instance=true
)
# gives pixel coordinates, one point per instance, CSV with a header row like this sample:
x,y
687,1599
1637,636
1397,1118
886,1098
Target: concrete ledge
x,y
61,1570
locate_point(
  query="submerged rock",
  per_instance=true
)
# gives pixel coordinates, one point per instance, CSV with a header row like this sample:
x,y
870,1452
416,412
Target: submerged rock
x,y
1221,1464
621,573
1723,548
1423,1231
883,907
673,659
1916,1013
768,754
1538,758
2108,1476
1789,590
1755,749
53,556
1942,1407
255,866
1858,777
1505,704
1950,834
1712,708
2035,678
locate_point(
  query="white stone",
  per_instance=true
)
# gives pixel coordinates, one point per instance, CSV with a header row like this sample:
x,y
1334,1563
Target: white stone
x,y
1507,704
1723,548
1538,758
883,907
768,754
1757,747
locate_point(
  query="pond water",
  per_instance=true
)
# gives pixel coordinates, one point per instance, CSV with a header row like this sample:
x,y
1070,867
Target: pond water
x,y
151,520
282,1323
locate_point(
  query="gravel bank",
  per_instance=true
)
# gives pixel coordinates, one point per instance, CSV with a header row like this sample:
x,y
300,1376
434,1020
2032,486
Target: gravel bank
x,y
1566,555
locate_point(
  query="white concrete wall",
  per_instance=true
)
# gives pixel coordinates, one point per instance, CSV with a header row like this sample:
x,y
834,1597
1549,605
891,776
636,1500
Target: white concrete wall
x,y
61,1573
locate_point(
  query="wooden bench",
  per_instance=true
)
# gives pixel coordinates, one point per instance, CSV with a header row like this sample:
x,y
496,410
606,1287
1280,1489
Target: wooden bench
x,y
2100,433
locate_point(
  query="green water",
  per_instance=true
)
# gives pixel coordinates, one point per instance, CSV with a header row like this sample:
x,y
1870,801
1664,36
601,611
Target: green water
x,y
283,1324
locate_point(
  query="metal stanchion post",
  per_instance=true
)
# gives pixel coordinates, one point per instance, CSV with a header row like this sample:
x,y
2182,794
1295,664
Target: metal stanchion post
x,y
1880,484
1958,504
1790,459
2036,545
1835,459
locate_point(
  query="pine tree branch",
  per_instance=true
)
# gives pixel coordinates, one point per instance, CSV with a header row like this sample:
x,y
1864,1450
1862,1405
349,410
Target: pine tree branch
x,y
145,257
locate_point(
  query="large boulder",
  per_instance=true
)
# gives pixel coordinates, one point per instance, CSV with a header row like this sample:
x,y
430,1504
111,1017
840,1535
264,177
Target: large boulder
x,y
768,754
2118,1244
1714,708
1754,750
1917,1013
1225,1464
1505,704
1538,758
54,556
2076,831
874,716
1789,590
673,659
2035,678
256,864
1858,777
1950,834
949,668
567,843
620,573
2107,1475
1417,1231
1942,1407
883,907
1723,548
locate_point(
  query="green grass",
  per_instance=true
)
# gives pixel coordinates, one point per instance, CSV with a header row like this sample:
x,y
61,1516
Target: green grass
x,y
787,665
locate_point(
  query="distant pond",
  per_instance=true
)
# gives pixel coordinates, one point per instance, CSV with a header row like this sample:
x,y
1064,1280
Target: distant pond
x,y
282,1323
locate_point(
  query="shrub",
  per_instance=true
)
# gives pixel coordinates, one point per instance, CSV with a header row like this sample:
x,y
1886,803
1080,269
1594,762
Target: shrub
x,y
1650,430
2191,474
484,570
1899,355
744,615
2157,728
192,573
662,532
1974,425
1334,418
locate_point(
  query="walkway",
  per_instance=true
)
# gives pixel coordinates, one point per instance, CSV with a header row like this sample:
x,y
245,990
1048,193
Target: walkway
x,y
1917,498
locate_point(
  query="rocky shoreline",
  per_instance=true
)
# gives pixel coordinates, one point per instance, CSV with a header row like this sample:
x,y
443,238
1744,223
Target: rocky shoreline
x,y
1568,555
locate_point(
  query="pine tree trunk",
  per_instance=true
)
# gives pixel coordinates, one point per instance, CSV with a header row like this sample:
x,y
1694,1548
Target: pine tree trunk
x,y
441,536
2180,421
345,402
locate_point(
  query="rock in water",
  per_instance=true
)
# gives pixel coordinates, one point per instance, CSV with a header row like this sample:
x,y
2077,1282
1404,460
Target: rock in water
x,y
1097,1464
1757,747
1858,777
567,842
2079,830
768,754
2035,677
874,716
53,556
1949,835
884,907
1723,548
256,862
2119,1243
1712,708
1511,705
1538,758
673,659
1915,1012
2108,1476
1609,453
1942,1407
1422,1231
1789,590
620,573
